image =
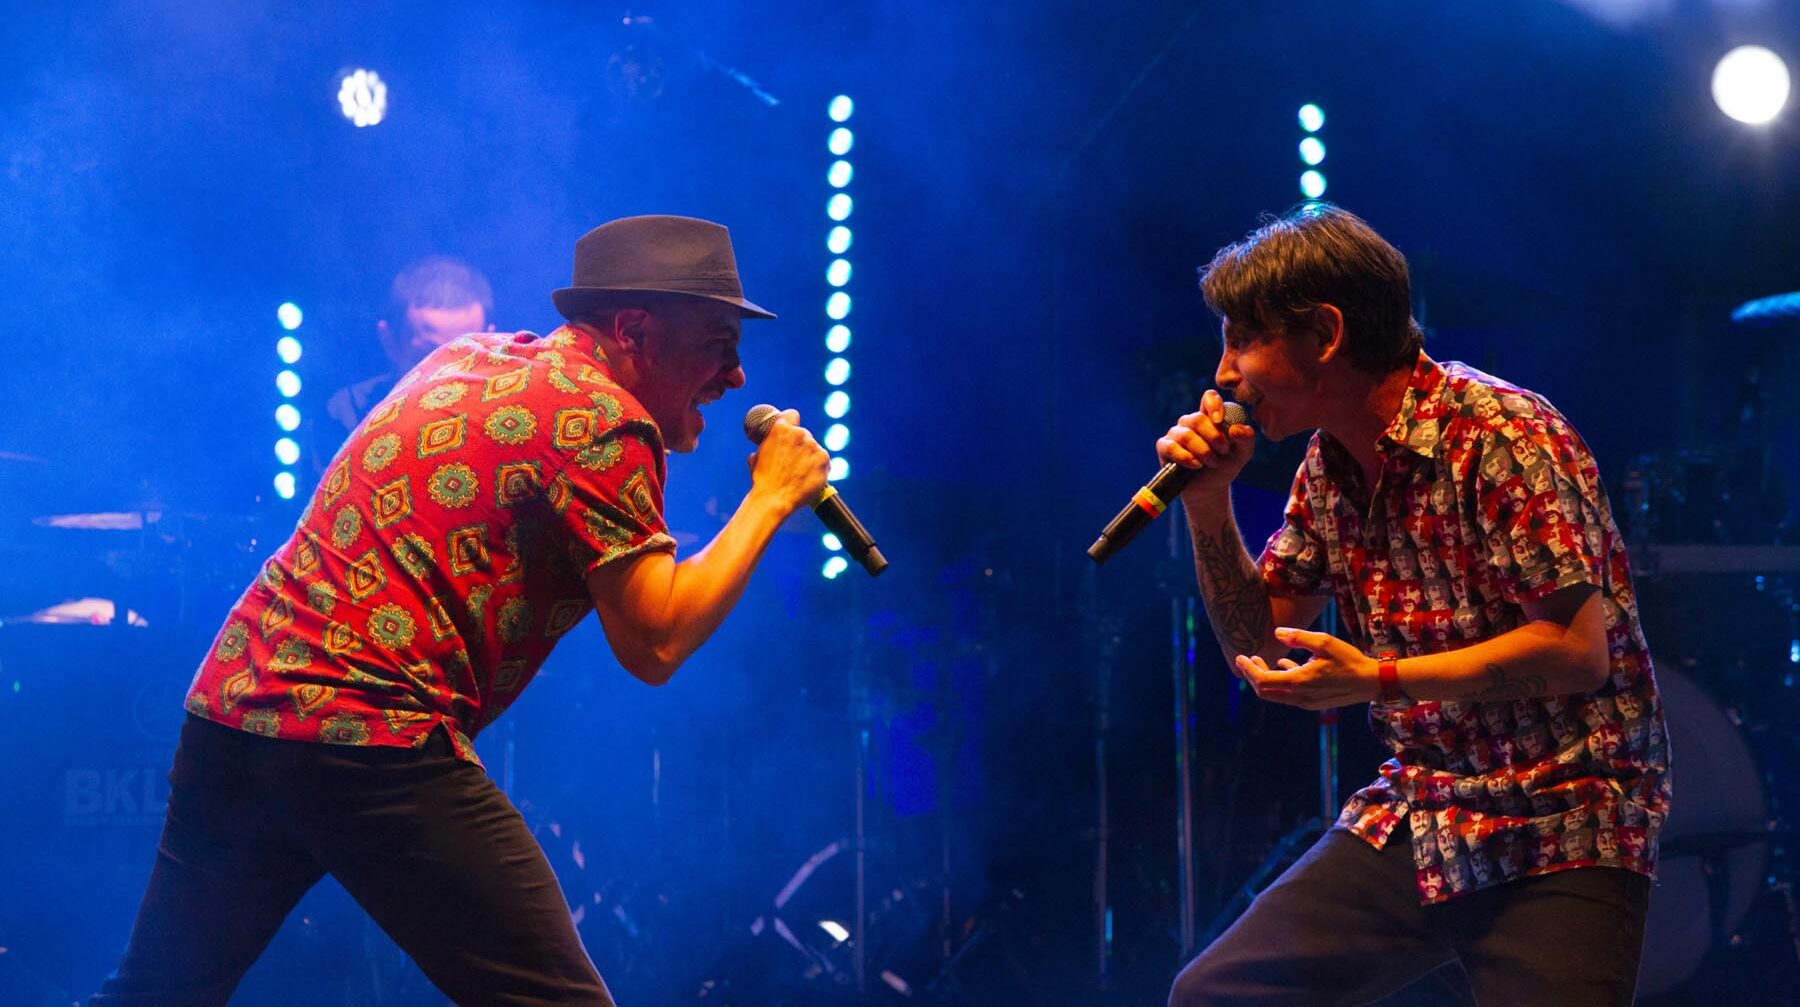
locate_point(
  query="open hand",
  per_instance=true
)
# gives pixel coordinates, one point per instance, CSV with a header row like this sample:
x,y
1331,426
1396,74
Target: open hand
x,y
1337,674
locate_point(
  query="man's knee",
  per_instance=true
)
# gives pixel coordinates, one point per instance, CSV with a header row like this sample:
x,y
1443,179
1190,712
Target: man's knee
x,y
1198,984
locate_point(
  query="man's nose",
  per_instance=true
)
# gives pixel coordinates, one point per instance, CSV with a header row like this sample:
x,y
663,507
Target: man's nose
x,y
1227,376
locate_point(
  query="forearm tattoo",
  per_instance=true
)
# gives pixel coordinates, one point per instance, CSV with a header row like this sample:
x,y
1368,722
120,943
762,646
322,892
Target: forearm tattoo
x,y
1504,686
1237,601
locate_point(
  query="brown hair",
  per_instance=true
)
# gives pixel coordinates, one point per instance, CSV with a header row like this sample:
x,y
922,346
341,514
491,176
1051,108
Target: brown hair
x,y
1317,254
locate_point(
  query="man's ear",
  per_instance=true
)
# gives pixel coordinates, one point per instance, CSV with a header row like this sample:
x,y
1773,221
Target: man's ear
x,y
631,326
1328,332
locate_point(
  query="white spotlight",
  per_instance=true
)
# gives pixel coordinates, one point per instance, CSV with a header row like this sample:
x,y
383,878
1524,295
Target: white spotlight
x,y
362,95
1750,84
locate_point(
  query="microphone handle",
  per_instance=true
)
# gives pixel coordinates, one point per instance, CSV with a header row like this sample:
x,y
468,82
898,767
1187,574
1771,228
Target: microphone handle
x,y
1146,505
857,541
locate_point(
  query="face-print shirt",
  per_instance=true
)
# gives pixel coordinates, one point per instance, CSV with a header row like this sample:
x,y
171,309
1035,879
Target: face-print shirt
x,y
445,551
1486,499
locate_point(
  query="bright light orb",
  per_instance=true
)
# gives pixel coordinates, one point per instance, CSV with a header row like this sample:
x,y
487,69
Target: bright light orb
x,y
837,404
287,417
839,206
288,349
1312,184
840,108
838,241
363,97
1312,117
289,315
837,437
289,383
837,306
838,273
840,141
840,174
837,371
837,338
287,451
1751,84
284,485
831,542
1312,150
840,469
834,566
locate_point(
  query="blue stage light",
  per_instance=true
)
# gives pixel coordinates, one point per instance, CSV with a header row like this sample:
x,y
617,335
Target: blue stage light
x,y
839,469
284,485
287,417
288,349
838,241
837,371
289,383
840,141
1312,117
837,404
837,436
289,315
831,542
837,338
837,306
1312,183
838,273
840,108
362,97
840,174
834,566
1312,150
838,207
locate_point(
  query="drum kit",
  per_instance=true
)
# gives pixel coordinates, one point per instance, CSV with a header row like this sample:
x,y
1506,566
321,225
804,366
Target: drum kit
x,y
1716,568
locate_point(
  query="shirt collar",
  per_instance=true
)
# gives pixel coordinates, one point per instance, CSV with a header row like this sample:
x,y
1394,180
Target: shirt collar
x,y
1418,426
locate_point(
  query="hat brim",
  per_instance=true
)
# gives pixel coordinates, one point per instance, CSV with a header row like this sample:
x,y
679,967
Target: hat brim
x,y
570,301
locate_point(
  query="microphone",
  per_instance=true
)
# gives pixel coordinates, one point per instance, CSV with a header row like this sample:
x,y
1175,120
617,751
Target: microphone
x,y
830,507
1148,503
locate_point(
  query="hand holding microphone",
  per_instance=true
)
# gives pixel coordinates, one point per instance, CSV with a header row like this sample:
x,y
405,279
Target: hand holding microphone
x,y
790,463
1203,452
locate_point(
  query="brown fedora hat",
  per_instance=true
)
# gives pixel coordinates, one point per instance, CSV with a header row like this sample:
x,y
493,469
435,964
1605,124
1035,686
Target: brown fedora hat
x,y
654,255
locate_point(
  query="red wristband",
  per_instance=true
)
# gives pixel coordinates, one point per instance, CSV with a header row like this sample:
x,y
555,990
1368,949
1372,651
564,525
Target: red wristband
x,y
1389,676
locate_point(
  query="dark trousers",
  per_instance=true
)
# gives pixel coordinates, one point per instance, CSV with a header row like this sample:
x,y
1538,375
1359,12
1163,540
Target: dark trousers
x,y
1344,926
424,841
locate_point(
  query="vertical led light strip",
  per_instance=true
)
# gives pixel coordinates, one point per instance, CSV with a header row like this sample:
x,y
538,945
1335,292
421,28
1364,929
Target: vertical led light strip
x,y
1312,151
837,307
287,414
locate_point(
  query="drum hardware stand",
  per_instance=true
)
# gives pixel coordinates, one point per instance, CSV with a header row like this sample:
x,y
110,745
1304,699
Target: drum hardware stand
x,y
1293,839
1103,637
861,715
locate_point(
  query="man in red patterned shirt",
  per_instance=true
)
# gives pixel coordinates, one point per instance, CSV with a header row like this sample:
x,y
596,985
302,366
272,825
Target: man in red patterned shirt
x,y
508,485
1461,525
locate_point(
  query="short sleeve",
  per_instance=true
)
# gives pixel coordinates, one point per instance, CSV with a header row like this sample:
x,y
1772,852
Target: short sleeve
x,y
1538,503
1294,560
609,498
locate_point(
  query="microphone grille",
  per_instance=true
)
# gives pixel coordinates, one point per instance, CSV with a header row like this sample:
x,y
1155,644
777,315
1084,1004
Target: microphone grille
x,y
1235,413
758,421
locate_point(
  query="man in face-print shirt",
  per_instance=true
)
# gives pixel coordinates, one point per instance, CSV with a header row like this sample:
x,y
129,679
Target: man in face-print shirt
x,y
1412,457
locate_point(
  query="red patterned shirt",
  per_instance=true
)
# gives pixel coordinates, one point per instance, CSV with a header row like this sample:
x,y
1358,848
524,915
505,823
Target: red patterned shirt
x,y
1486,499
446,550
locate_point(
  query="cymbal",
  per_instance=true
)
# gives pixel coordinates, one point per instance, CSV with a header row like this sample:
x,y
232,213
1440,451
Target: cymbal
x,y
1767,311
100,520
